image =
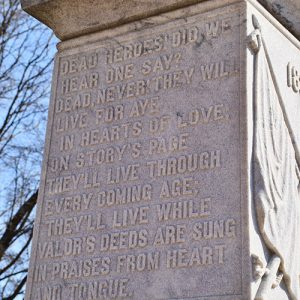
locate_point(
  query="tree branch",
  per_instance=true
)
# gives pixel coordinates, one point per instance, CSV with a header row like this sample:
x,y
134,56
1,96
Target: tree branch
x,y
12,225
17,290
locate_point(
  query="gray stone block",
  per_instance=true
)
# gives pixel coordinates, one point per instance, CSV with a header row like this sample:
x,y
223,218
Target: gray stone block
x,y
171,166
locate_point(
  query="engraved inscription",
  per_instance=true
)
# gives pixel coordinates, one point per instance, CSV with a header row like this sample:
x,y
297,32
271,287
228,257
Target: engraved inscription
x,y
293,78
142,182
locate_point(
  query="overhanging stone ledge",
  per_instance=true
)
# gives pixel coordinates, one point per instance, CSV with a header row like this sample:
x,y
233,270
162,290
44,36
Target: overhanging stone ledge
x,y
69,19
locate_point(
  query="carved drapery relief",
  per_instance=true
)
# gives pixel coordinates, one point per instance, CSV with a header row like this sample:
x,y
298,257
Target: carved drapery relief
x,y
276,175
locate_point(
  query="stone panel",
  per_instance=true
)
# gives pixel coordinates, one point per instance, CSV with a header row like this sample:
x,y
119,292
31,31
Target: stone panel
x,y
141,193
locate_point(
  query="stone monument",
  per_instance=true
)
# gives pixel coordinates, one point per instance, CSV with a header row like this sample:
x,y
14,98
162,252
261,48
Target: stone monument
x,y
171,165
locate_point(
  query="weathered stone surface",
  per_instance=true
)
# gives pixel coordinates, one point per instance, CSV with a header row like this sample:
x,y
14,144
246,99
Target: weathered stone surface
x,y
73,18
148,188
287,12
273,77
131,172
276,160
